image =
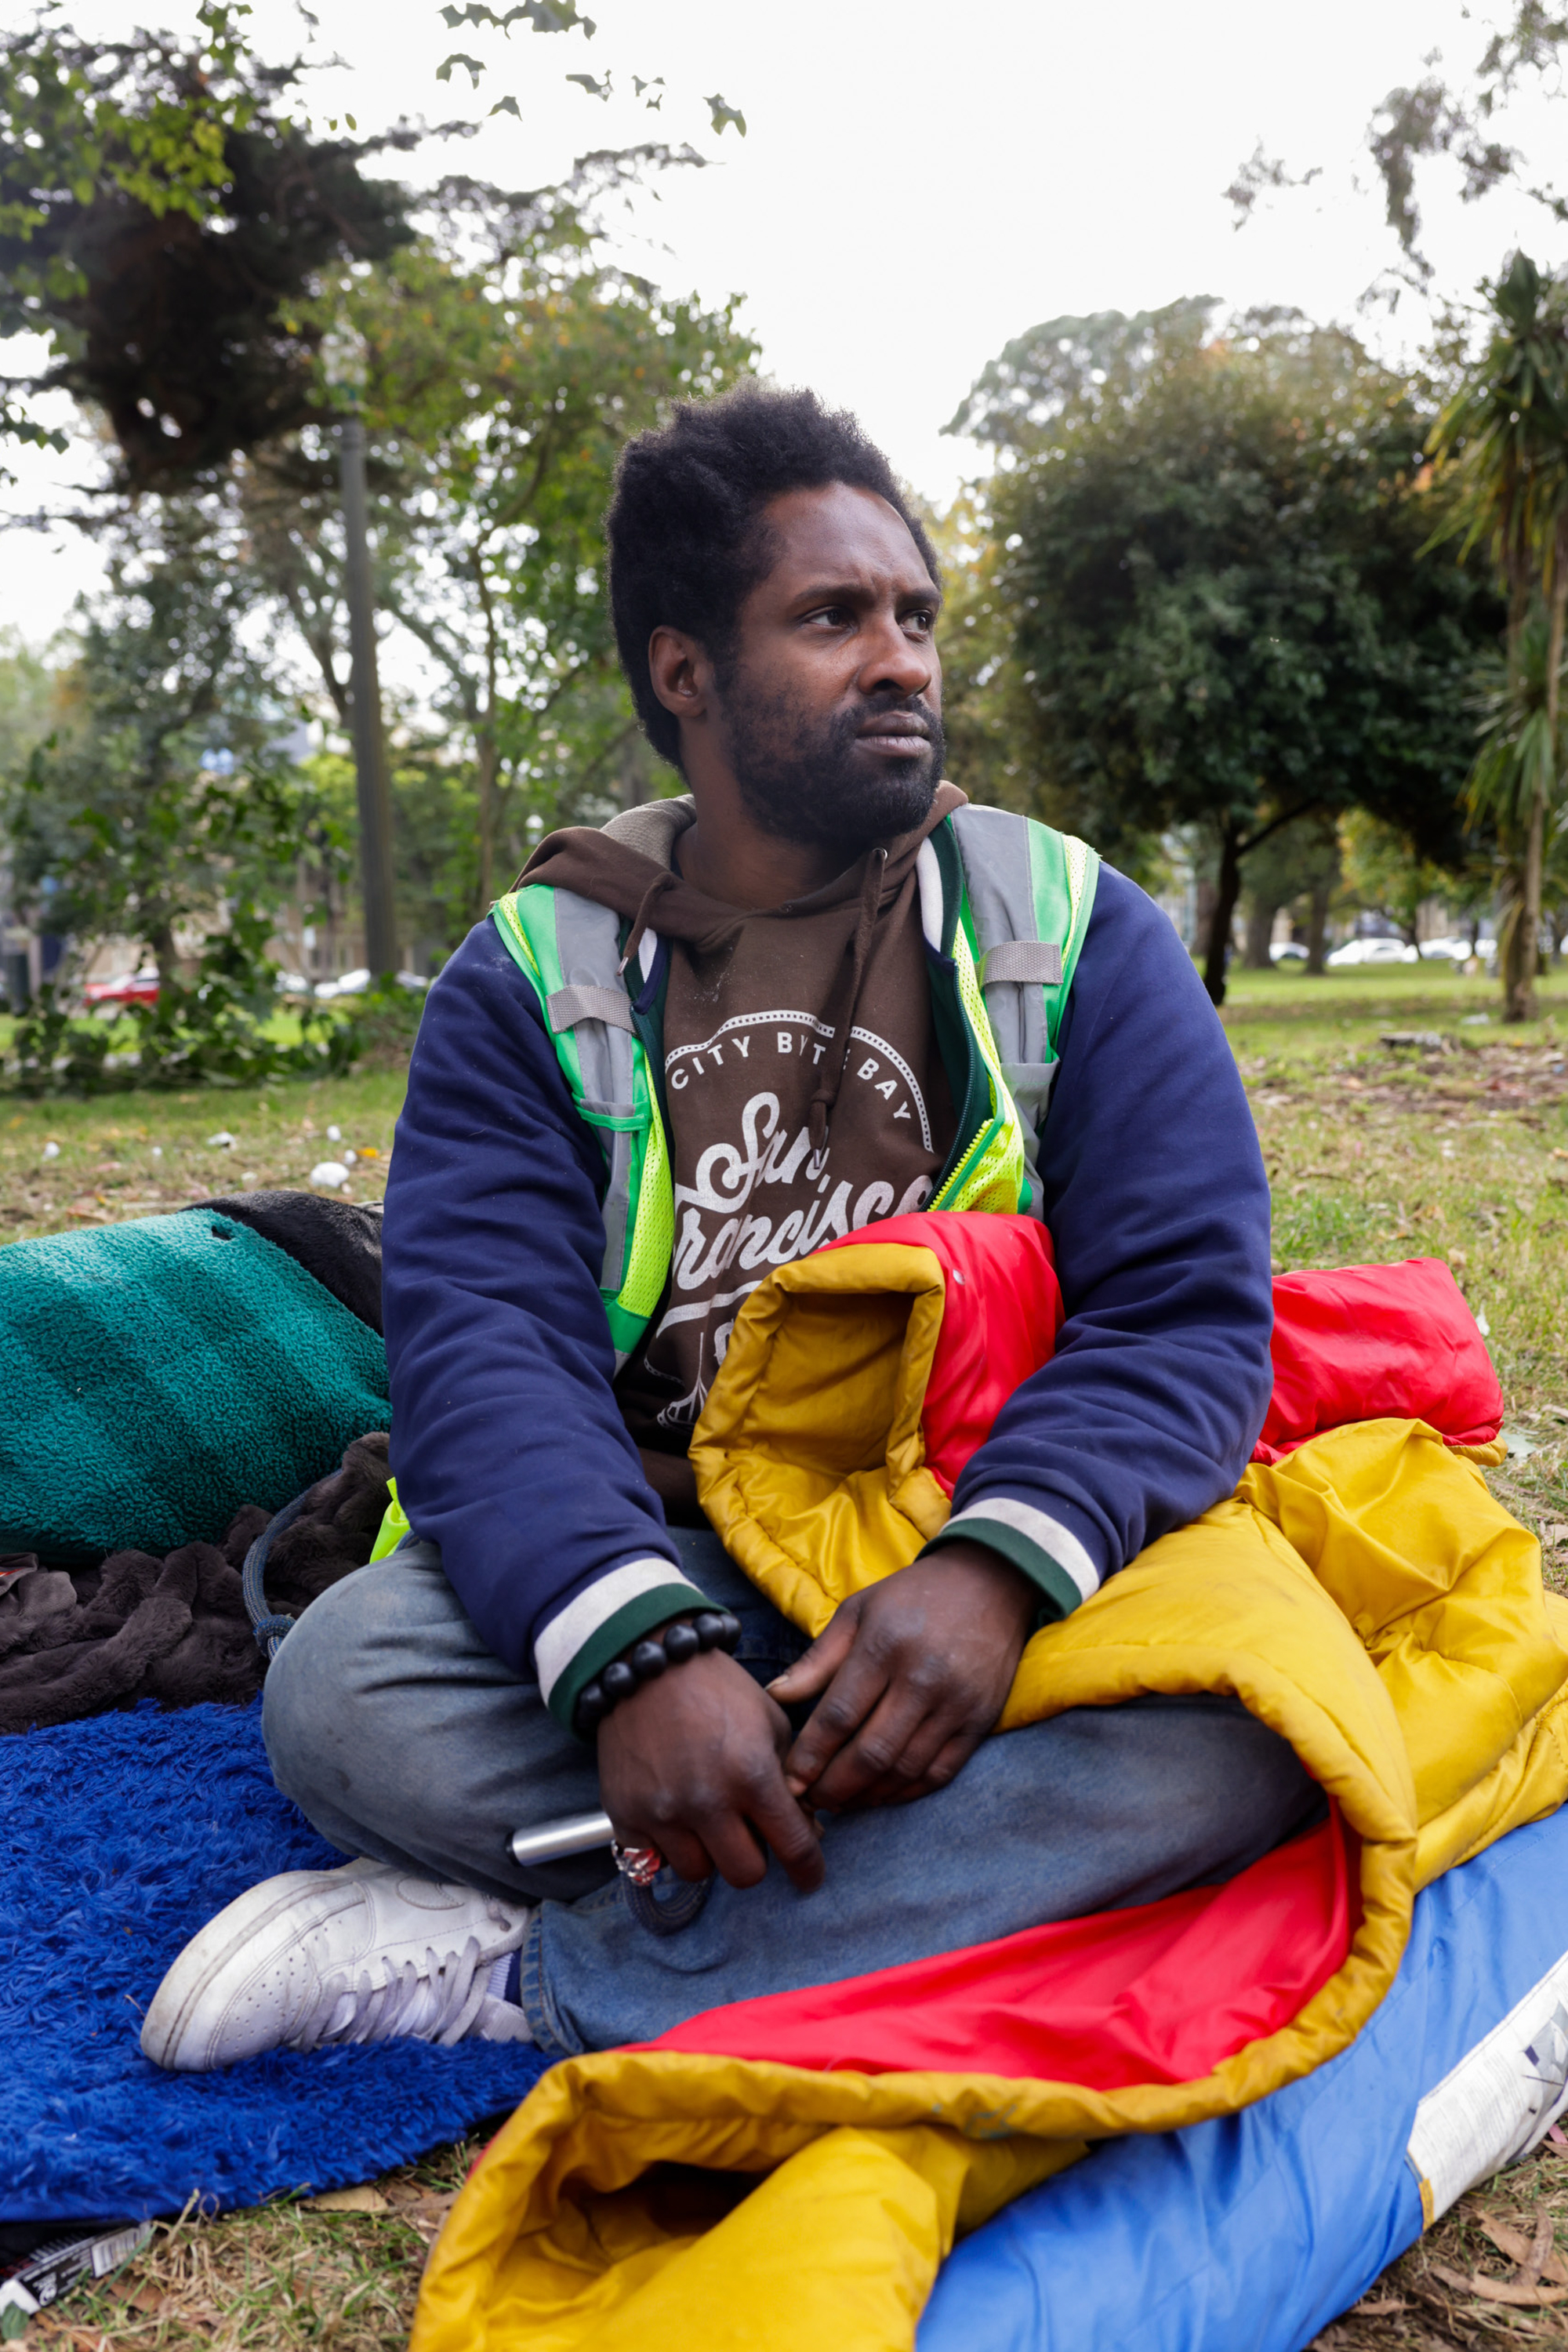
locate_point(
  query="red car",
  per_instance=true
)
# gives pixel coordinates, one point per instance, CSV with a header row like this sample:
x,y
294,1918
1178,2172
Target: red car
x,y
129,988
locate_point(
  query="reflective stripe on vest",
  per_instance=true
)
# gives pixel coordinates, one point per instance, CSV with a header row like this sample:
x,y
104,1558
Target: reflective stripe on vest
x,y
1028,896
1012,929
570,950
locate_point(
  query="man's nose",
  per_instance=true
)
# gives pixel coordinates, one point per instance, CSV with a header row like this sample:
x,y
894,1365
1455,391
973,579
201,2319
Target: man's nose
x,y
895,661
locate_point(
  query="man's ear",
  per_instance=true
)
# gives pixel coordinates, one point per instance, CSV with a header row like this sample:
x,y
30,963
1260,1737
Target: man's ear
x,y
681,672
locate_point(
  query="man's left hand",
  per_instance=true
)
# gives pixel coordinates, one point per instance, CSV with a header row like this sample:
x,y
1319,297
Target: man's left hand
x,y
912,1672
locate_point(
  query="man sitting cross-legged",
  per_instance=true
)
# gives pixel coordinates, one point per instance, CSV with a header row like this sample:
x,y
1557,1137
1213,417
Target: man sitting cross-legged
x,y
758,980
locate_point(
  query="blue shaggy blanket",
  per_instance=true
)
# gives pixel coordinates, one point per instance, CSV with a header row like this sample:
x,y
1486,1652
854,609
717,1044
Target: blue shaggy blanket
x,y
118,1837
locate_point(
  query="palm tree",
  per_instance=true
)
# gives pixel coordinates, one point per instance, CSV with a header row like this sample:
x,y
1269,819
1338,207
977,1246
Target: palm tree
x,y
1503,440
1515,776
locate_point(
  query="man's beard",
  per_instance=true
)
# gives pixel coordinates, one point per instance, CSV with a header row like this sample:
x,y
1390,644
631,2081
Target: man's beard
x,y
806,782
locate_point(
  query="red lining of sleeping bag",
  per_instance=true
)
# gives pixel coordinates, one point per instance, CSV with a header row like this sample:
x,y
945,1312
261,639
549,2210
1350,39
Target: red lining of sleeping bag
x,y
1158,1994
1165,1991
1351,1343
999,1324
1375,1343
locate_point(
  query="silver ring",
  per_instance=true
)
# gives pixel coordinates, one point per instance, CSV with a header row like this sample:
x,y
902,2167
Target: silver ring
x,y
640,1864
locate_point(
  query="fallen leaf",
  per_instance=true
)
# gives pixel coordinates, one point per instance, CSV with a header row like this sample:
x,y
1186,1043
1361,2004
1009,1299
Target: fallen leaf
x,y
428,2214
361,2200
1542,2245
1518,2248
1523,2298
1381,2309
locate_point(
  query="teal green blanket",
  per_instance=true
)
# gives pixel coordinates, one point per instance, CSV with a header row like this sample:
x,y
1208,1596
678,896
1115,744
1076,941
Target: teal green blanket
x,y
155,1376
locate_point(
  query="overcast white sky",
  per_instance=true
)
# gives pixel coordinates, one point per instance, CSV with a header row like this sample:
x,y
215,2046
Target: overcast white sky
x,y
920,184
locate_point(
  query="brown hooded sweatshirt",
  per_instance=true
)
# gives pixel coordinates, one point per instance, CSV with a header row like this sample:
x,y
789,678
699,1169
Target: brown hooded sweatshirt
x,y
803,1090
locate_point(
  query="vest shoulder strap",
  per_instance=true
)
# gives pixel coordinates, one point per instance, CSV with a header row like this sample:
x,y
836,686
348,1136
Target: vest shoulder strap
x,y
1029,892
569,951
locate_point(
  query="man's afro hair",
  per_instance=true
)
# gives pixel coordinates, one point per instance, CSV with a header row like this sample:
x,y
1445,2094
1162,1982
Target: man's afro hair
x,y
687,540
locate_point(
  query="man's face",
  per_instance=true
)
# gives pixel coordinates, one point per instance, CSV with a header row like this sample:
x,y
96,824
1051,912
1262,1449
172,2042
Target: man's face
x,y
829,708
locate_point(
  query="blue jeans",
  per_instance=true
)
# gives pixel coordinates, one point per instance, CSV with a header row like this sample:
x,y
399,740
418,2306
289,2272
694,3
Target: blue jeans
x,y
402,1738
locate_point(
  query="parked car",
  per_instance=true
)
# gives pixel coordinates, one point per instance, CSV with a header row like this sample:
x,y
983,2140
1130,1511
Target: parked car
x,y
354,984
127,988
1360,951
1456,951
1288,951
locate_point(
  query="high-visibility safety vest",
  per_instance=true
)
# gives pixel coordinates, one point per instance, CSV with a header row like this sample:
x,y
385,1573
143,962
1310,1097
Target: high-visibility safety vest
x,y
1005,903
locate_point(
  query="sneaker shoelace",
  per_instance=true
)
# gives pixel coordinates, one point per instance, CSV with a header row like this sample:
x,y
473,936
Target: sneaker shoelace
x,y
437,2003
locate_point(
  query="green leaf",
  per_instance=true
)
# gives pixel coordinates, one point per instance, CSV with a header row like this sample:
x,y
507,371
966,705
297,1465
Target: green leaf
x,y
594,88
506,106
476,66
722,114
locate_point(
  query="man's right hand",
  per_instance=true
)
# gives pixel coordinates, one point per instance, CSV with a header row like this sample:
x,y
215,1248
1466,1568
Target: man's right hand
x,y
693,1765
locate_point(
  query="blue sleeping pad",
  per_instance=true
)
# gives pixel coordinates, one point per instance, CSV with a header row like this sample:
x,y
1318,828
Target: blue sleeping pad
x,y
1251,2233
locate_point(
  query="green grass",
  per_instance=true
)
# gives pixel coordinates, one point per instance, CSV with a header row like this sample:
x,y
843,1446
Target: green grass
x,y
132,1155
293,2273
1456,1150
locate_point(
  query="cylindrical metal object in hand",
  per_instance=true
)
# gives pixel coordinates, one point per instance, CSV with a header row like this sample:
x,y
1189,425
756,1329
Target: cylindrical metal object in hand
x,y
639,1865
553,1841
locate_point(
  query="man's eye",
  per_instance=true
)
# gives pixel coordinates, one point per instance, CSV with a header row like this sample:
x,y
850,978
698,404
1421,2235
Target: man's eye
x,y
922,618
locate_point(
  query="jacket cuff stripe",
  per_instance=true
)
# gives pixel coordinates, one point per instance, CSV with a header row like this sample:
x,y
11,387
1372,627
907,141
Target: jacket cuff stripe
x,y
1048,1553
644,1615
567,1634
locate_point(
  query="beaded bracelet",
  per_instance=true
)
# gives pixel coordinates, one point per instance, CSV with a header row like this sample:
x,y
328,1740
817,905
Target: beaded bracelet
x,y
672,1645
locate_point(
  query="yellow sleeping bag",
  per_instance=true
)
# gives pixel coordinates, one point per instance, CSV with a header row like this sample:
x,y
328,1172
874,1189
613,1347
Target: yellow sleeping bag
x,y
1365,1596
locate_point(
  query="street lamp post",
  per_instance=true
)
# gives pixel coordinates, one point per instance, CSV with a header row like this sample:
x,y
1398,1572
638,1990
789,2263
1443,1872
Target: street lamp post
x,y
370,744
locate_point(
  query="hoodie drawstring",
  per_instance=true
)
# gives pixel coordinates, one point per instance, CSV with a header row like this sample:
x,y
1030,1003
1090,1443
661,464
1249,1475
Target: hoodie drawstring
x,y
642,919
847,997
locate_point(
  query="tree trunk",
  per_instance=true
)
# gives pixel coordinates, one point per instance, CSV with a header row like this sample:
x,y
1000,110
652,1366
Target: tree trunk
x,y
1524,960
161,939
1260,914
633,766
1511,940
489,765
1203,912
1228,891
1318,926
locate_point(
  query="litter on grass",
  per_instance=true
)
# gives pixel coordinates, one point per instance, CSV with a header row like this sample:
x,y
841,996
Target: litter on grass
x,y
361,2199
58,2259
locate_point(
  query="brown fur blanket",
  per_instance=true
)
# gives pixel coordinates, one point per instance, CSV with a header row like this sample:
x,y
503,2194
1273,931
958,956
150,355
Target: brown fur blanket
x,y
175,1629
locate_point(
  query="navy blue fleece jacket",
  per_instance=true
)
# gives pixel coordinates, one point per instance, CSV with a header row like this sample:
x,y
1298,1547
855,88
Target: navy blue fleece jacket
x,y
508,1445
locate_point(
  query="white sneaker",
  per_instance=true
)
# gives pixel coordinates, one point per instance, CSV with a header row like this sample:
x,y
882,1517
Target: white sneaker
x,y
357,1954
